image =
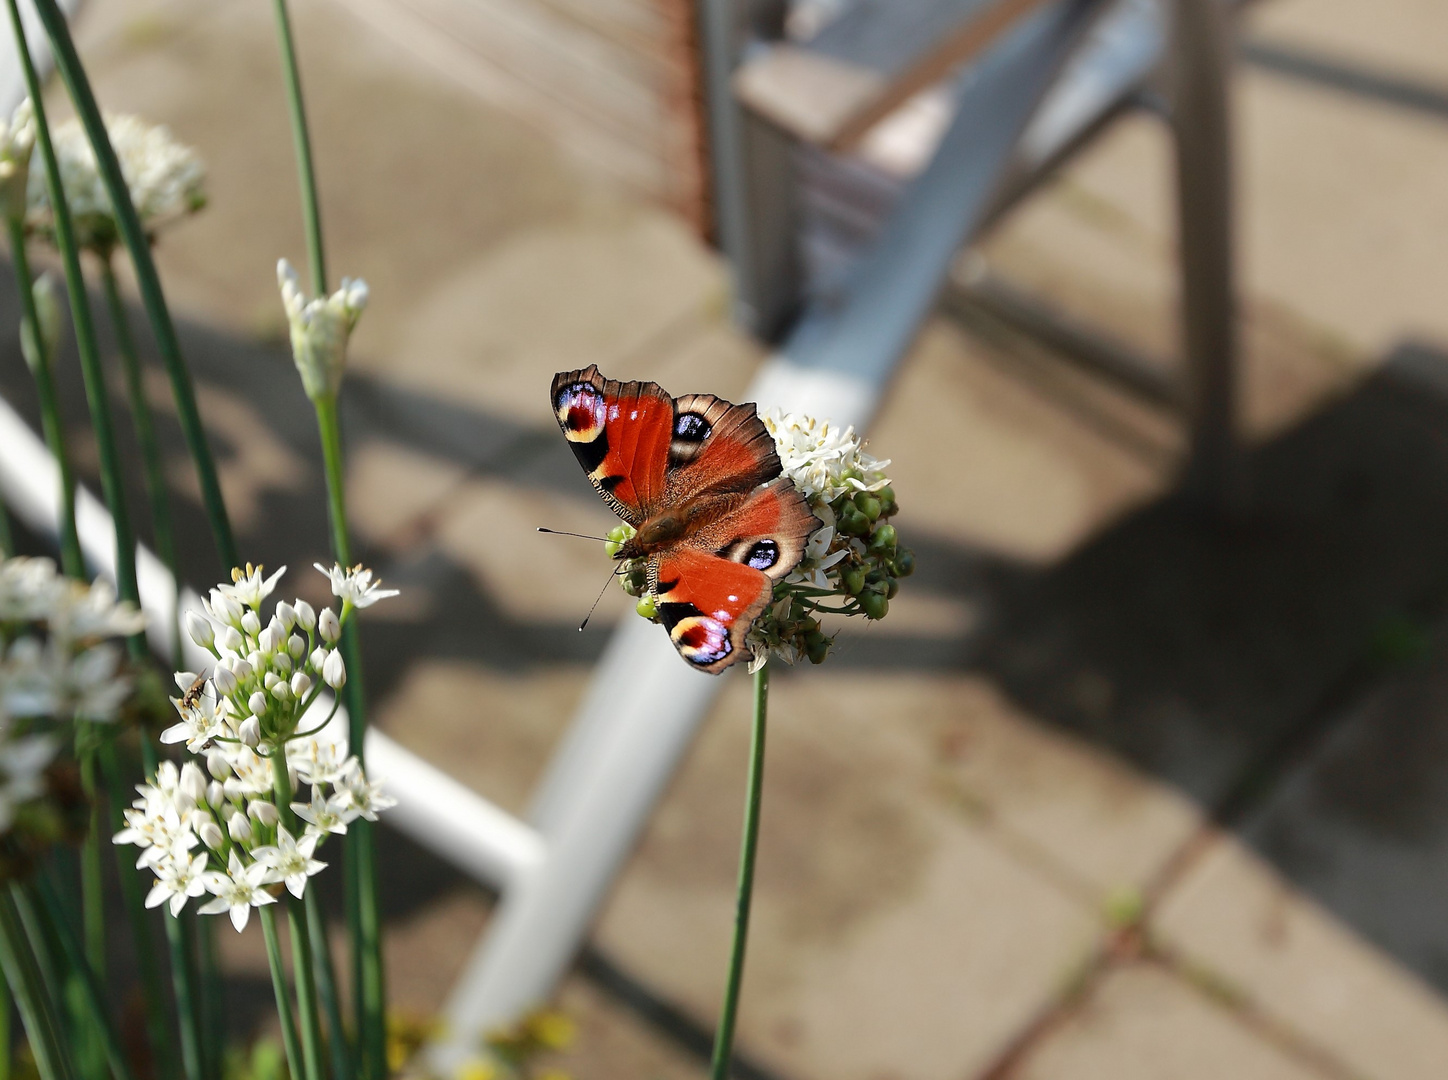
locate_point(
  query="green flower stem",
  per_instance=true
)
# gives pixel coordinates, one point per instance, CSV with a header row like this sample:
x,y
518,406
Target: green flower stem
x,y
337,1043
71,560
75,958
302,970
92,882
183,982
154,470
138,244
302,144
363,915
157,1021
724,1037
213,1018
36,1006
7,1048
85,339
279,988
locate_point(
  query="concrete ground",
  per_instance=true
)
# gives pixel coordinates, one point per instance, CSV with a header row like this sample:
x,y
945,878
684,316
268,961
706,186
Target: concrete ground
x,y
1114,792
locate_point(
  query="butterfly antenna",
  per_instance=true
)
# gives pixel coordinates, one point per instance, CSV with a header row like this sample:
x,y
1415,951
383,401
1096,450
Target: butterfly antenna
x,y
584,536
611,575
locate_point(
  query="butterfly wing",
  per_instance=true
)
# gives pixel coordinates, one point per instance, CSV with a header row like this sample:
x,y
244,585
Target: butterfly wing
x,y
718,448
620,433
711,588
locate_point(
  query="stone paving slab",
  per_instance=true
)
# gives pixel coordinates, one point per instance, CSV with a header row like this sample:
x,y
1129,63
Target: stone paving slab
x,y
1141,1023
1241,920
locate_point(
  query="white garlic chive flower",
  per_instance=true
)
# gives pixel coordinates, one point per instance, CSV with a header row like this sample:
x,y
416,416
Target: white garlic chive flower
x,y
320,329
254,830
166,181
17,140
355,587
48,317
851,564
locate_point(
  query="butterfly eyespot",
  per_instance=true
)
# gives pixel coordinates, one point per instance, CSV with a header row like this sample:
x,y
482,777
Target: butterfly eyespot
x,y
763,555
691,427
581,411
701,640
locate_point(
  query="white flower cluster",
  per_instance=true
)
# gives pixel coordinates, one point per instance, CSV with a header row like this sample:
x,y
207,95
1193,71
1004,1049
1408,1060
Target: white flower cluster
x,y
823,460
320,329
232,830
166,180
17,140
56,666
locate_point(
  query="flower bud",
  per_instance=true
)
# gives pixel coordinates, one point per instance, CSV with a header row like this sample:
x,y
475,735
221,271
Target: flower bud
x,y
282,664
285,614
257,702
297,646
281,691
211,836
201,630
239,828
318,657
251,623
229,639
193,783
320,329
264,812
242,669
217,765
301,684
268,640
256,660
226,608
215,795
269,680
306,616
327,623
334,670
225,680
250,730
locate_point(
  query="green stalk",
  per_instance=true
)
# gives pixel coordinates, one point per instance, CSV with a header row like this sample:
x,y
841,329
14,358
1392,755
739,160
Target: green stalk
x,y
213,1020
85,339
183,981
157,1023
302,144
154,470
149,282
724,1037
37,1007
363,915
75,958
71,560
279,988
7,1049
7,537
302,973
337,1042
92,882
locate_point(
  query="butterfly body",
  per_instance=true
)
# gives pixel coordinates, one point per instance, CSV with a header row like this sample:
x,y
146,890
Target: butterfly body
x,y
699,480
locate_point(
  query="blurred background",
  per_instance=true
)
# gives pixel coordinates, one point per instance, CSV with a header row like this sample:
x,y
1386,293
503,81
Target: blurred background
x,y
1125,786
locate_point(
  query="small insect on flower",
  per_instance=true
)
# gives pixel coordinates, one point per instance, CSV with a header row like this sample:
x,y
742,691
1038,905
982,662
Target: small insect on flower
x,y
193,692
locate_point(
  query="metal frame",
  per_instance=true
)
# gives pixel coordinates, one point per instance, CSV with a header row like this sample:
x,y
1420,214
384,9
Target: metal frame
x,y
643,707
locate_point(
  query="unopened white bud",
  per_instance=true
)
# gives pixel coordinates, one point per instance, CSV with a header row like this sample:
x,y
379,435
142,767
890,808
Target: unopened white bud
x,y
193,783
281,691
318,657
297,646
226,608
201,630
257,703
225,681
301,684
47,309
306,616
267,641
327,623
251,623
242,669
263,812
215,795
270,679
285,614
250,731
229,639
211,835
239,827
217,765
334,670
282,663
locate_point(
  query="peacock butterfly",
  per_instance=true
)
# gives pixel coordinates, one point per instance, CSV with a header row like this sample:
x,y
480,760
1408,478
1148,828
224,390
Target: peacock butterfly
x,y
699,480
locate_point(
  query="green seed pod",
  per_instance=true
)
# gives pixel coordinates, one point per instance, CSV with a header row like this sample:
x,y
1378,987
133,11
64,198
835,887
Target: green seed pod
x,y
852,522
853,579
892,586
904,562
888,505
867,504
875,605
648,607
635,582
816,647
809,626
883,541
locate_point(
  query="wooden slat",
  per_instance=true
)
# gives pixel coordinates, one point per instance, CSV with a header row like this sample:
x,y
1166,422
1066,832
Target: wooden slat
x,y
833,88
